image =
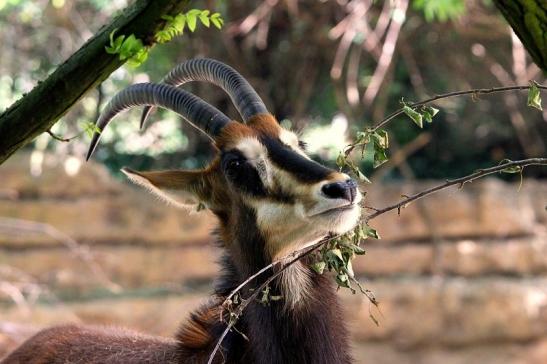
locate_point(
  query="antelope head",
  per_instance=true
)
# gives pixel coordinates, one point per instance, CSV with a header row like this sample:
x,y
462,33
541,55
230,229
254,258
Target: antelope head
x,y
270,197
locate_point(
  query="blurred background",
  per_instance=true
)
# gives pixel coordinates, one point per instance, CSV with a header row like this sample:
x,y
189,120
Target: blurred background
x,y
461,276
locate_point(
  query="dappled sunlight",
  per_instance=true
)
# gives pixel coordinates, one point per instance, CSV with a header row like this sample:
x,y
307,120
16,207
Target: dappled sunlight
x,y
467,247
535,301
326,141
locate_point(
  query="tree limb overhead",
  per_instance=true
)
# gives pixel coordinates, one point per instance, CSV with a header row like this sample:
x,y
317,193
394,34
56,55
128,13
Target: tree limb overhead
x,y
49,100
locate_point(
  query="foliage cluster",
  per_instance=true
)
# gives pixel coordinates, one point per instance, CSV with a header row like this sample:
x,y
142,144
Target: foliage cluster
x,y
336,254
133,50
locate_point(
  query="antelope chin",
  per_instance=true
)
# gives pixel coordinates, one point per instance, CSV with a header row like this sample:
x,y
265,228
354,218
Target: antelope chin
x,y
334,210
340,219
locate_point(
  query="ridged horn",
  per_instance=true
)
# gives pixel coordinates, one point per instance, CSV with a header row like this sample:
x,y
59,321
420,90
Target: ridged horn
x,y
243,96
196,111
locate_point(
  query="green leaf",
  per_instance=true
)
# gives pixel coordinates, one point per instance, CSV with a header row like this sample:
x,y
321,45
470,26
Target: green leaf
x,y
163,36
139,58
362,137
534,97
115,44
441,10
349,269
341,160
359,232
381,138
179,23
319,267
111,35
337,253
370,232
381,143
205,20
414,115
358,250
512,169
130,47
90,128
362,177
217,20
342,280
380,158
428,112
193,12
191,20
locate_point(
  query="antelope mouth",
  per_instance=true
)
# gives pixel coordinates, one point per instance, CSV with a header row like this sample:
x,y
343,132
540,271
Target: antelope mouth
x,y
335,210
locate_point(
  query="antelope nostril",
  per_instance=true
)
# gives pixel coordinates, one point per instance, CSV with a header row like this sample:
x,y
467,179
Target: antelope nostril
x,y
346,190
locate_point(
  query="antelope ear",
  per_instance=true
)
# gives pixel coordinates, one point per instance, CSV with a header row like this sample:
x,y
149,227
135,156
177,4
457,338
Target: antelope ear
x,y
184,189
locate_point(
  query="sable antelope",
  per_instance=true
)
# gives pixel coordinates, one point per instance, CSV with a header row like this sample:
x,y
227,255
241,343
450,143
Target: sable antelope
x,y
270,199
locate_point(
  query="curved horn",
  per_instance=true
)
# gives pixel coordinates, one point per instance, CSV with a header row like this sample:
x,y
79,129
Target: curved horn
x,y
244,97
199,113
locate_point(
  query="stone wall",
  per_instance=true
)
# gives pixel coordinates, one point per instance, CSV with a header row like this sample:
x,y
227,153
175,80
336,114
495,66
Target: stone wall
x,y
461,277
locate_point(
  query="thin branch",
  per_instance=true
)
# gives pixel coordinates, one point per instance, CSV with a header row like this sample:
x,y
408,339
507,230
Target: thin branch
x,y
61,139
388,50
459,181
79,250
478,91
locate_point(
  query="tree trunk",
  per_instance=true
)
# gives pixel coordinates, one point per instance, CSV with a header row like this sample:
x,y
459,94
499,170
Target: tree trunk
x,y
528,18
41,108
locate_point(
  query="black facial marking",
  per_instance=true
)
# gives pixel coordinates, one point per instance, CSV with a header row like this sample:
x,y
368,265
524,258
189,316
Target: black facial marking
x,y
241,174
302,168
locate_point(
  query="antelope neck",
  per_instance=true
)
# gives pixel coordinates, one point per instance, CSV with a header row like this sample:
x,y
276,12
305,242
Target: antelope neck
x,y
310,332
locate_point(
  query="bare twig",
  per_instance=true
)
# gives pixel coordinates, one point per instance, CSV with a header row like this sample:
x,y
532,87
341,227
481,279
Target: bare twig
x,y
459,181
81,251
388,49
61,139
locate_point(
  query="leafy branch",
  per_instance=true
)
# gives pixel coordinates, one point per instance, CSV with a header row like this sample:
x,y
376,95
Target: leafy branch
x,y
176,24
417,112
534,87
49,100
507,167
133,50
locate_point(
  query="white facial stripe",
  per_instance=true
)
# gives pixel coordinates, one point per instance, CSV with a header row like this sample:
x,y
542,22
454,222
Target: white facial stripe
x,y
251,148
264,171
290,139
256,154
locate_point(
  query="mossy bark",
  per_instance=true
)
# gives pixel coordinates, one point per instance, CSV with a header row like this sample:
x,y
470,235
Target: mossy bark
x,y
528,18
42,107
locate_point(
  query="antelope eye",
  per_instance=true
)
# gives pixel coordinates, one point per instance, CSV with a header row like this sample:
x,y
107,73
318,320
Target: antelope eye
x,y
232,162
